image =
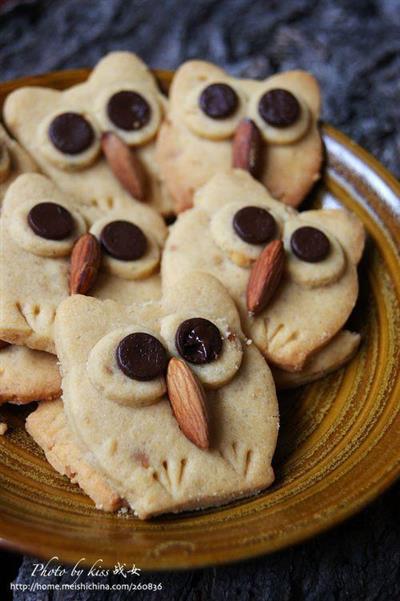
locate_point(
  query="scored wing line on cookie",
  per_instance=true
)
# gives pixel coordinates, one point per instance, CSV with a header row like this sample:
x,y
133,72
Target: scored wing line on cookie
x,y
170,475
280,336
238,458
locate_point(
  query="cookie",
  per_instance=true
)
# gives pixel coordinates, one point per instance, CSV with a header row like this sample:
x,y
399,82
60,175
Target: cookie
x,y
331,357
39,227
14,160
216,444
27,375
64,132
278,121
233,221
49,429
39,371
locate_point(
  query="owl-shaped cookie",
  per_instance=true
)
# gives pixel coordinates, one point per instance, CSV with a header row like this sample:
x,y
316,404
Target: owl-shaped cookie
x,y
315,255
41,376
216,121
39,227
97,139
176,411
49,429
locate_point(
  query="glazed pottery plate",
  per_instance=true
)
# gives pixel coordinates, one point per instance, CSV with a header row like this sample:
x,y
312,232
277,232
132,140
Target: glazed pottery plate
x,y
339,443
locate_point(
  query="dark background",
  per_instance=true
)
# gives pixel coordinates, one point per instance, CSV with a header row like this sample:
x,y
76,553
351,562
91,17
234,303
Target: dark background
x,y
353,47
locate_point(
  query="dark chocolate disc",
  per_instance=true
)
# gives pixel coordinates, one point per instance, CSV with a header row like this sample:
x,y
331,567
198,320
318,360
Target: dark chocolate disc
x,y
198,340
51,221
218,101
254,225
310,244
71,133
128,110
279,108
141,356
123,240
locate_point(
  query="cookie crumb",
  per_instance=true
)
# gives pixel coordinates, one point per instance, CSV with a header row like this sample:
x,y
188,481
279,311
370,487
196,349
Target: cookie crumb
x,y
3,428
123,512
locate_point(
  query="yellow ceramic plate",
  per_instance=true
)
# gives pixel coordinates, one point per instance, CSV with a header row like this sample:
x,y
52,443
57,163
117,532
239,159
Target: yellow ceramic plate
x,y
339,444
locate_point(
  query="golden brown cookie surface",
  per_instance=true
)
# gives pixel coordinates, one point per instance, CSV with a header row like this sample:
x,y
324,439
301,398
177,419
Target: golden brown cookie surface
x,y
64,130
13,161
143,450
194,145
40,225
332,356
27,375
316,292
49,429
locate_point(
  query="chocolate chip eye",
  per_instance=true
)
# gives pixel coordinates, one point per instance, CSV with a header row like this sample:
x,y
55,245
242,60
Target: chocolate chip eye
x,y
218,101
279,108
198,341
128,110
254,225
141,356
123,240
310,244
51,221
71,133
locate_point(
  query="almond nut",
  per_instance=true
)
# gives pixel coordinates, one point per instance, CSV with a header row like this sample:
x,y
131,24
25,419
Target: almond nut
x,y
85,263
188,402
265,276
125,165
247,146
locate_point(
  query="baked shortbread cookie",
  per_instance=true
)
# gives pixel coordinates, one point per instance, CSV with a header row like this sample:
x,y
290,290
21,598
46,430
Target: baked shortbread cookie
x,y
49,429
41,378
114,393
206,109
63,131
39,227
332,356
225,234
27,375
14,160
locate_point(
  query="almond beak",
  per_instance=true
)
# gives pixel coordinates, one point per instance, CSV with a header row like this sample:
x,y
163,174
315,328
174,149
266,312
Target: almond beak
x,y
265,277
247,147
85,264
188,402
125,164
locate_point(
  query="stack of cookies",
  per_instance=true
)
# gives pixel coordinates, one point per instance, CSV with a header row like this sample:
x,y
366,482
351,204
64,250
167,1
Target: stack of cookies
x,y
154,351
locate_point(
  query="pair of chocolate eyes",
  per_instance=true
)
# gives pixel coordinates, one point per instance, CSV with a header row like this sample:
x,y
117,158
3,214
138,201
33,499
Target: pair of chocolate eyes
x,y
276,107
72,134
120,239
141,356
256,225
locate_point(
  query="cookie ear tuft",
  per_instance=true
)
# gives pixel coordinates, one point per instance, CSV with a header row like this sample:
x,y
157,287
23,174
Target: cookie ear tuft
x,y
20,103
300,83
192,74
201,293
346,226
121,66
